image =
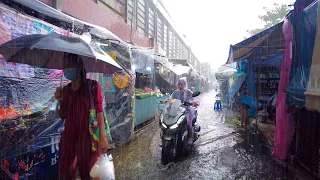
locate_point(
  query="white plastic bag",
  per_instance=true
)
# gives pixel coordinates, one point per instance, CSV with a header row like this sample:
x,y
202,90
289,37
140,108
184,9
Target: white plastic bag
x,y
106,167
94,172
103,168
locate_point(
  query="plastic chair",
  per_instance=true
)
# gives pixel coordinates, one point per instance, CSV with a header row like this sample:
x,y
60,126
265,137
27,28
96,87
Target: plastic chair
x,y
217,105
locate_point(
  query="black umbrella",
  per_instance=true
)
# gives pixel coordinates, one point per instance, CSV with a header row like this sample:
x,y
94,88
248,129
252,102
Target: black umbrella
x,y
47,51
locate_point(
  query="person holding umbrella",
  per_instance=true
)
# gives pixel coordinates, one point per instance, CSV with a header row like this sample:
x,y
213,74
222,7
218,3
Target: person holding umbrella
x,y
85,134
75,145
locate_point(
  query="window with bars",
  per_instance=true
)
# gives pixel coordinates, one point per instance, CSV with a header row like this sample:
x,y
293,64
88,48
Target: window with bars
x,y
151,23
141,14
170,44
179,49
131,13
159,31
116,5
165,38
192,59
174,54
185,53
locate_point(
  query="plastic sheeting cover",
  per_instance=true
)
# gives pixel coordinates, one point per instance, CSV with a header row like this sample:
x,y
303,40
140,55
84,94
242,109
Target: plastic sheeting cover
x,y
304,26
142,62
313,87
28,119
117,102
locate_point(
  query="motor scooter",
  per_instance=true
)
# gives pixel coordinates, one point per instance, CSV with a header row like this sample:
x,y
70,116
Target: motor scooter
x,y
174,133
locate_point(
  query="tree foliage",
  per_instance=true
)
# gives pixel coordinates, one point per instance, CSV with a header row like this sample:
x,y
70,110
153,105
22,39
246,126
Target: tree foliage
x,y
271,17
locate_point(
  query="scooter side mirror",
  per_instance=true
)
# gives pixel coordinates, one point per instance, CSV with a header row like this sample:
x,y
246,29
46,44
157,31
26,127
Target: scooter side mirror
x,y
195,94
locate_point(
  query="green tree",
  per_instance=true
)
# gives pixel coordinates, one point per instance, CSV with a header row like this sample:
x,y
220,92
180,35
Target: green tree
x,y
271,17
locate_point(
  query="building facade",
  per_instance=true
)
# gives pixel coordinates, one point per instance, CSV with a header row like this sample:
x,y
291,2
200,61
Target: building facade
x,y
137,21
206,70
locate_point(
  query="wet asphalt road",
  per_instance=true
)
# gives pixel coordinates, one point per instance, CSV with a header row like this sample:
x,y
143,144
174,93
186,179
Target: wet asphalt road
x,y
220,153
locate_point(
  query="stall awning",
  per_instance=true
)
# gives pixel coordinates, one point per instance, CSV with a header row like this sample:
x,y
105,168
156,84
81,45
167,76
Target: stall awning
x,y
185,63
142,61
76,24
261,46
42,8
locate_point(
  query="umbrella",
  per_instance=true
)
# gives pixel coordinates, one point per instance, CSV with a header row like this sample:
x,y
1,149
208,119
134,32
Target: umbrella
x,y
47,51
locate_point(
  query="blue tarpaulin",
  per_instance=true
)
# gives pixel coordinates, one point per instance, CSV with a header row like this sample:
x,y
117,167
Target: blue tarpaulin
x,y
251,102
304,25
235,85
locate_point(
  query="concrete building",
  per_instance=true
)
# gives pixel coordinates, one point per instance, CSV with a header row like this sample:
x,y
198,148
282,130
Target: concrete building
x,y
206,70
141,22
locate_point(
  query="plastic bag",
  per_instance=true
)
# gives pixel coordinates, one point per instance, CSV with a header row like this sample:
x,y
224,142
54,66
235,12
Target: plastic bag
x,y
103,168
94,172
106,167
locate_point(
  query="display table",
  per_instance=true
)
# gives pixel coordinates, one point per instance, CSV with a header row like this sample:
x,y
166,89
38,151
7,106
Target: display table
x,y
145,109
162,98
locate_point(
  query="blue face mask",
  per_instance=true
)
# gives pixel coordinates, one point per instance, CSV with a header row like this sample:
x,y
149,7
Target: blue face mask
x,y
70,74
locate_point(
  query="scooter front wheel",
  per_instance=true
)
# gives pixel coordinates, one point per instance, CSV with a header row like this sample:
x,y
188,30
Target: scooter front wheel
x,y
168,153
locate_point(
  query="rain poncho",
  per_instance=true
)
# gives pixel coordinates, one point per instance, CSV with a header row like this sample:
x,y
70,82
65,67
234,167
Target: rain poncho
x,y
184,95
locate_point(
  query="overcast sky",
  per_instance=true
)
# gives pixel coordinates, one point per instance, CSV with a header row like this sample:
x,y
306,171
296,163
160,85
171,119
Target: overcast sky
x,y
212,25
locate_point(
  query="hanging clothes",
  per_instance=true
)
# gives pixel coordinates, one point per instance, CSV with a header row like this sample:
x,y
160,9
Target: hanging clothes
x,y
285,122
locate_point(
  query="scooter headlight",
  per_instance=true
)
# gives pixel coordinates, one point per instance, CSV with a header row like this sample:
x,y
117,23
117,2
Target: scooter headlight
x,y
182,109
161,121
161,117
174,126
178,122
164,126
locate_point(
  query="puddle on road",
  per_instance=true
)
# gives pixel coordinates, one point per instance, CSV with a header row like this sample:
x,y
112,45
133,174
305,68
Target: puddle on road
x,y
220,153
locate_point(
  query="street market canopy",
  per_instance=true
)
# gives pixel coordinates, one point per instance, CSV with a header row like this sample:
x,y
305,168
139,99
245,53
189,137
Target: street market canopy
x,y
61,19
142,61
182,66
262,46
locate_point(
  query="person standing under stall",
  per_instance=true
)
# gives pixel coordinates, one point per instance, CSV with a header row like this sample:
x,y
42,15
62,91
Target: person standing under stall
x,y
75,103
243,107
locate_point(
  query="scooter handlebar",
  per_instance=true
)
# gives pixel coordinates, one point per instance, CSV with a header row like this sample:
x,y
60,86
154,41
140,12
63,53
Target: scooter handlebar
x,y
187,103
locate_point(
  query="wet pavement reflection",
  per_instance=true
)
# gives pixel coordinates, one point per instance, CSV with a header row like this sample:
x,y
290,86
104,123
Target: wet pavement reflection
x,y
220,153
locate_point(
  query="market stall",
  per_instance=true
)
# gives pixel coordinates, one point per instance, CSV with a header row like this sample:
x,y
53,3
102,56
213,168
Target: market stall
x,y
164,77
223,80
145,102
264,53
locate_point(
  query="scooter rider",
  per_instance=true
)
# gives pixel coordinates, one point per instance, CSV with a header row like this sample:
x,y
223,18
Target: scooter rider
x,y
185,95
